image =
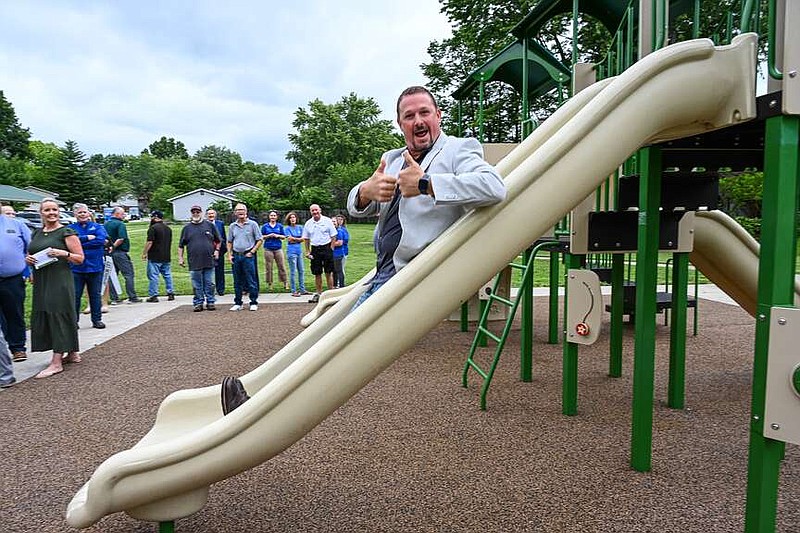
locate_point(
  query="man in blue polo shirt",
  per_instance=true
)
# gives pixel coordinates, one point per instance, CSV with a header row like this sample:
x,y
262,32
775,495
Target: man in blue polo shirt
x,y
14,240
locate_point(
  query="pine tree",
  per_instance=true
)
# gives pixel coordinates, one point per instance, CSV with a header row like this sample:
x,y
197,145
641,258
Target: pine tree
x,y
70,179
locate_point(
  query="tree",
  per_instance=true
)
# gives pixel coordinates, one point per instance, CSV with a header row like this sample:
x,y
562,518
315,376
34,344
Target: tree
x,y
144,174
13,137
70,179
41,167
349,131
226,163
166,148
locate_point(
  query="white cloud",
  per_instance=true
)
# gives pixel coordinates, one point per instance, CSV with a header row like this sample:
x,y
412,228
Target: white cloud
x,y
117,76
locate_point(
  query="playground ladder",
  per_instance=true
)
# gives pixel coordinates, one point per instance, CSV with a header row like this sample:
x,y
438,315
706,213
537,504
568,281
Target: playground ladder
x,y
483,331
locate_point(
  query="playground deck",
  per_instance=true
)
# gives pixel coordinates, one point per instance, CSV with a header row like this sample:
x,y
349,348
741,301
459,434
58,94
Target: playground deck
x,y
411,451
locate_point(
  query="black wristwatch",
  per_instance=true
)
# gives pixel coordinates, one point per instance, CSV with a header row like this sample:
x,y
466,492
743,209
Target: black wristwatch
x,y
424,183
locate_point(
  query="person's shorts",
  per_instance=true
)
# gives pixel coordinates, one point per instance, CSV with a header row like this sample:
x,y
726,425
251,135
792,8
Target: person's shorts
x,y
321,259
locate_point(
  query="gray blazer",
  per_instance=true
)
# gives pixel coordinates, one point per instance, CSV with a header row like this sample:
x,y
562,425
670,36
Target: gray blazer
x,y
461,180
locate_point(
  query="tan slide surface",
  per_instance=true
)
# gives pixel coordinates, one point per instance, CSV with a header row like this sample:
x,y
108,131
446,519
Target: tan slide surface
x,y
683,89
727,255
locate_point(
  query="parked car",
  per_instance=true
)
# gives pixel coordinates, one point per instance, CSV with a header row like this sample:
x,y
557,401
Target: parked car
x,y
67,217
31,218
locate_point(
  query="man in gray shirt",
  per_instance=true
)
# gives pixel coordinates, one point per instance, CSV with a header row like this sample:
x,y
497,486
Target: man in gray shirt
x,y
244,240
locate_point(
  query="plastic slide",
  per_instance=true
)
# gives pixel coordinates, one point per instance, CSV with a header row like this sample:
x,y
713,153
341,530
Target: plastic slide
x,y
684,89
727,255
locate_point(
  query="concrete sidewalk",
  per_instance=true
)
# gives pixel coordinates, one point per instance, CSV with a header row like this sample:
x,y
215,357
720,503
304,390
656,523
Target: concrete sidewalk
x,y
120,318
123,317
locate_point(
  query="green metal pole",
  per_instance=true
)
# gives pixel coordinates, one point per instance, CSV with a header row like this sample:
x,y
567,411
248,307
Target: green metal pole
x,y
526,325
526,111
646,281
465,316
480,108
775,287
552,335
569,383
482,339
677,338
166,527
617,294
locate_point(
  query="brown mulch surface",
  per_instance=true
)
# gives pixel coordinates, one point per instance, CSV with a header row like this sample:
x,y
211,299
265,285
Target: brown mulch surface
x,y
411,451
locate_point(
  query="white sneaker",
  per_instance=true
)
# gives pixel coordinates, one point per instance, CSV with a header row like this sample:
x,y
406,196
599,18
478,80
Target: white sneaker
x,y
254,307
236,308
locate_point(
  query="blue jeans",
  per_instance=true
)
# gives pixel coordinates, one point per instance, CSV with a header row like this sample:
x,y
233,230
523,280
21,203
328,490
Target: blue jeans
x,y
124,266
93,281
296,270
203,285
153,271
12,315
369,292
244,278
6,366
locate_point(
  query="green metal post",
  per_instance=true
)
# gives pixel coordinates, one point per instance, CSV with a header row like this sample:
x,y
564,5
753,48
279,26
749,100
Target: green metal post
x,y
526,110
646,281
677,338
166,527
526,326
481,84
617,294
465,316
775,287
569,378
552,335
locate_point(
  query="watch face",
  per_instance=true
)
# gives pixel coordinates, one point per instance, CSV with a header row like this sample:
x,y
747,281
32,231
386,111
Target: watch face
x,y
423,185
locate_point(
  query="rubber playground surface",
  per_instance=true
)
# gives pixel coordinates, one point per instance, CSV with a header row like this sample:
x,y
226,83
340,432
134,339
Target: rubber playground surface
x,y
411,451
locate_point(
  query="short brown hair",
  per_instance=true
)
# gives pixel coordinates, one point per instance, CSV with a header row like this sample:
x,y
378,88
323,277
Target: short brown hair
x,y
415,89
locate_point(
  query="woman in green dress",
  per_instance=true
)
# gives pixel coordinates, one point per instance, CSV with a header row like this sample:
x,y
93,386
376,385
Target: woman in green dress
x,y
54,321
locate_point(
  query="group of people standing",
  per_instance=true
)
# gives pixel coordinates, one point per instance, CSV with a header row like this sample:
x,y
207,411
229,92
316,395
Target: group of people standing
x,y
64,261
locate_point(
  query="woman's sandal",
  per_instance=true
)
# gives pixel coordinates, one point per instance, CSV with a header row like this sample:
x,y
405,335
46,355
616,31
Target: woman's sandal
x,y
49,371
72,358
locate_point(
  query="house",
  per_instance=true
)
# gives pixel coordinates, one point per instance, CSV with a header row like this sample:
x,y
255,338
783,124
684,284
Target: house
x,y
182,203
10,193
241,186
41,193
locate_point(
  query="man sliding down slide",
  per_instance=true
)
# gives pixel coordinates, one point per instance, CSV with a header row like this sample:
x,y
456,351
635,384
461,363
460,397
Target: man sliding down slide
x,y
417,191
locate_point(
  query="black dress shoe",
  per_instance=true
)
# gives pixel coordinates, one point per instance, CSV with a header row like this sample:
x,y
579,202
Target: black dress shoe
x,y
98,325
233,394
170,296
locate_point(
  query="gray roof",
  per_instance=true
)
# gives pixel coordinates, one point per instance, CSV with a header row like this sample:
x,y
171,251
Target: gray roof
x,y
15,194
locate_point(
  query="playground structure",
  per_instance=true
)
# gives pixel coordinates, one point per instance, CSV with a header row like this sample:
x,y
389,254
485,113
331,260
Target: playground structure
x,y
168,473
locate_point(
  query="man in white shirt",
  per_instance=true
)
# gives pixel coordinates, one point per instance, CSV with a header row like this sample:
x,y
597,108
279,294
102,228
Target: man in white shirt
x,y
319,234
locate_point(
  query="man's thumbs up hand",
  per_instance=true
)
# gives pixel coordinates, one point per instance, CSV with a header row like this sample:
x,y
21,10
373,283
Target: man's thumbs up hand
x,y
379,187
408,179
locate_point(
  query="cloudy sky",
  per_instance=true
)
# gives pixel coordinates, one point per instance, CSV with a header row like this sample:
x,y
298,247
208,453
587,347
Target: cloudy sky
x,y
116,76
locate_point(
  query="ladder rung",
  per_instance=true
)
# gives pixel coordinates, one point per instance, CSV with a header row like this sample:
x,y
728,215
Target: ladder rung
x,y
520,266
488,333
477,369
501,299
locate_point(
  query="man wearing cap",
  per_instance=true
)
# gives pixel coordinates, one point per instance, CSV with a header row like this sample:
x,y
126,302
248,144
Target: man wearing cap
x,y
201,238
158,254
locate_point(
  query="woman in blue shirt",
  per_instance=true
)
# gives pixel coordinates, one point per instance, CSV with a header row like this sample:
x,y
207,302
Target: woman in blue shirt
x,y
89,274
340,250
294,253
272,231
